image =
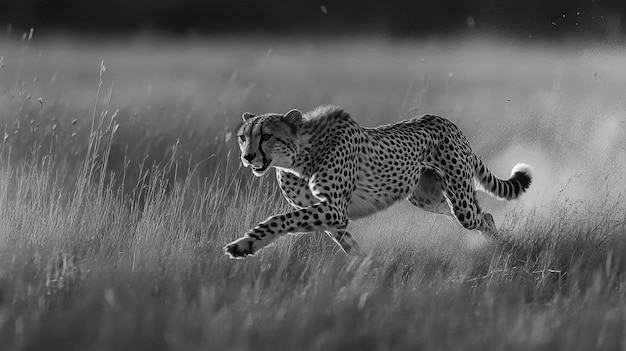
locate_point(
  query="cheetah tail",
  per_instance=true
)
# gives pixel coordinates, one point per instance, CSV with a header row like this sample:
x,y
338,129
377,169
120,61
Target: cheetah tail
x,y
510,189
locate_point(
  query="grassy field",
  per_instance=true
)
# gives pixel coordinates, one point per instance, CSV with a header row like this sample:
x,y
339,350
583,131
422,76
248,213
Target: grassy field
x,y
119,185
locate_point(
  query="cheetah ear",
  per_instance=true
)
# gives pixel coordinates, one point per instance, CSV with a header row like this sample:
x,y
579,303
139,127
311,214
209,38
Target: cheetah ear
x,y
293,116
246,116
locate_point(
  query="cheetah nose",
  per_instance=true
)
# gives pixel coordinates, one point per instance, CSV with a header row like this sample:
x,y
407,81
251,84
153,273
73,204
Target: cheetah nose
x,y
249,157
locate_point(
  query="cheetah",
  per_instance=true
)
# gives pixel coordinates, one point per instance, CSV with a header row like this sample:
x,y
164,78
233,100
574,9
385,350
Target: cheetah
x,y
331,170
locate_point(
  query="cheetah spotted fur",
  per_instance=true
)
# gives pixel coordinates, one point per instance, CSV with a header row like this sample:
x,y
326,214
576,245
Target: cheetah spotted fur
x,y
331,170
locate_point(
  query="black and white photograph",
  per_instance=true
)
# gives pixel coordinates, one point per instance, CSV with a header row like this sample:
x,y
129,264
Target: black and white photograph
x,y
312,175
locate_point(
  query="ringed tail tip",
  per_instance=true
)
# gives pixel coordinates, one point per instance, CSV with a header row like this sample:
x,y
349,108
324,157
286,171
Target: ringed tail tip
x,y
523,173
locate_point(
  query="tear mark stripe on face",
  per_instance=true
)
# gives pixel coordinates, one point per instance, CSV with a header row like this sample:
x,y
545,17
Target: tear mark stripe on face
x,y
248,132
255,125
261,149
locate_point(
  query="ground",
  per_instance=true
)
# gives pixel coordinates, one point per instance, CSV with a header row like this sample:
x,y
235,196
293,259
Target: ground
x,y
131,258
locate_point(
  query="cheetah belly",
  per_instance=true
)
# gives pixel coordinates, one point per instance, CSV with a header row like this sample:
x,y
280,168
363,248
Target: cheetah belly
x,y
364,203
369,195
360,205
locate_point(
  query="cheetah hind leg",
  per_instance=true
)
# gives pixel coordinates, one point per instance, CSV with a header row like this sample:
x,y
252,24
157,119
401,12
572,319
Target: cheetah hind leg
x,y
490,229
345,240
428,195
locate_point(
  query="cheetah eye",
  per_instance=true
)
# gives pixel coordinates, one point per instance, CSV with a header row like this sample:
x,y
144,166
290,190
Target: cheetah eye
x,y
266,137
242,137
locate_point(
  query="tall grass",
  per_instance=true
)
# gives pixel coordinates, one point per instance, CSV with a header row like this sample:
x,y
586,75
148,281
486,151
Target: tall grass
x,y
99,272
111,239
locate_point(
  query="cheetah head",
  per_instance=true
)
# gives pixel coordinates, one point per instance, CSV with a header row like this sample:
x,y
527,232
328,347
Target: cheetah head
x,y
269,140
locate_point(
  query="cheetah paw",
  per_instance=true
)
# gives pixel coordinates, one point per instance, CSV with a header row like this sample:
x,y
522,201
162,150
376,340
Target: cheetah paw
x,y
240,248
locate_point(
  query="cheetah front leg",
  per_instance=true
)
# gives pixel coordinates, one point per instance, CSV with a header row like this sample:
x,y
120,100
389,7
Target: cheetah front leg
x,y
296,191
322,216
330,214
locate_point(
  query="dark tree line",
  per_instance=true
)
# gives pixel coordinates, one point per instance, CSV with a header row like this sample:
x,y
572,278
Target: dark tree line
x,y
539,18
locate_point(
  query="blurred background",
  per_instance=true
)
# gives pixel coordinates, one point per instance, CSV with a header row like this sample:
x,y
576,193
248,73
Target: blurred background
x,y
539,82
557,19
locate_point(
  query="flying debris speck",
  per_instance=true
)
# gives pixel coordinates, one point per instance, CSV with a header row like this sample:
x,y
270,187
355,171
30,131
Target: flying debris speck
x,y
471,23
324,10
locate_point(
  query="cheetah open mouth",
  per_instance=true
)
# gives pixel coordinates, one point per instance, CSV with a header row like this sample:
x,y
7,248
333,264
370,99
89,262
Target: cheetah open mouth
x,y
262,168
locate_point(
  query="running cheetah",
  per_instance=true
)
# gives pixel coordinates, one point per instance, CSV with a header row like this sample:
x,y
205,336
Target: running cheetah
x,y
331,170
